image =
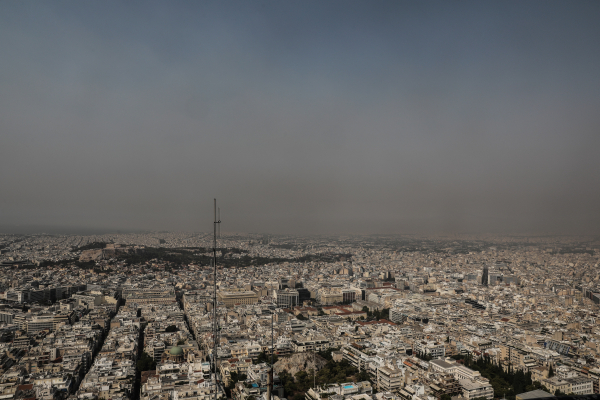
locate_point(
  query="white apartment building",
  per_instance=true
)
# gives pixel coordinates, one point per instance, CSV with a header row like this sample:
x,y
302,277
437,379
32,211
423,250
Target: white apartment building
x,y
473,388
430,349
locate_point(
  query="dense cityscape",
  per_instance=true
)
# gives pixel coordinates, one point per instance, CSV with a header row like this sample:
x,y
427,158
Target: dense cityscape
x,y
386,317
410,195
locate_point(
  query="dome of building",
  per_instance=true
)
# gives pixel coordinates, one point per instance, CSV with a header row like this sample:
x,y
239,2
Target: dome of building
x,y
176,350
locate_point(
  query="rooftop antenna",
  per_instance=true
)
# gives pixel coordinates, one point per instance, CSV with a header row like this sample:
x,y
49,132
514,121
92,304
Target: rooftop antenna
x,y
216,224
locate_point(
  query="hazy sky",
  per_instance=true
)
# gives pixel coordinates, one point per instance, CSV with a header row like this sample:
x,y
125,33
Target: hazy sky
x,y
301,117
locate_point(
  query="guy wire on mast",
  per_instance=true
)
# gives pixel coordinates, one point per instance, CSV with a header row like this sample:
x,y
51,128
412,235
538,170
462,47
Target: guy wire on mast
x,y
217,223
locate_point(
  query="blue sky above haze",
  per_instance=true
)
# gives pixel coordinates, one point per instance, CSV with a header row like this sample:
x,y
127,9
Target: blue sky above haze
x,y
305,117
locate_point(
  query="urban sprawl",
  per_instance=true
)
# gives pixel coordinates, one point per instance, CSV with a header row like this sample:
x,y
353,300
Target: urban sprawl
x,y
131,316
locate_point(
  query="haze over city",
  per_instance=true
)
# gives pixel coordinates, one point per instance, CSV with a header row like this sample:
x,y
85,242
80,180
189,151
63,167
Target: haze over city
x,y
300,117
408,197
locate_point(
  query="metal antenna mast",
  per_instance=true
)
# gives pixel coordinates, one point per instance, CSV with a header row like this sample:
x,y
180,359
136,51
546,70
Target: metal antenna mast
x,y
315,369
270,377
217,223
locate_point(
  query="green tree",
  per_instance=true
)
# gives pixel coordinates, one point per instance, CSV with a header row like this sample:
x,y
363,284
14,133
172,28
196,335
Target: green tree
x,y
550,372
265,357
362,376
146,363
171,328
235,377
326,354
302,378
385,314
